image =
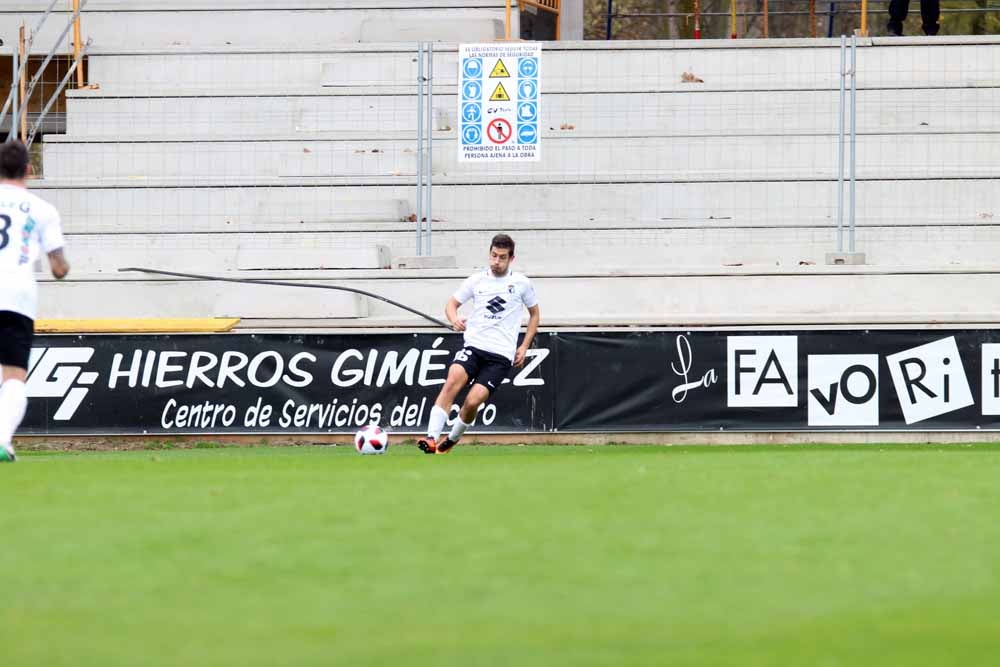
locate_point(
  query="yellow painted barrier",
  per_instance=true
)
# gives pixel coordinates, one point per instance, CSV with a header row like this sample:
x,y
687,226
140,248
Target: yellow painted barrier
x,y
170,325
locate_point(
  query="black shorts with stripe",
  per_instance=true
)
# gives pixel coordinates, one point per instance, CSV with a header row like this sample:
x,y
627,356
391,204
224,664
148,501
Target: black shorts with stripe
x,y
485,368
16,334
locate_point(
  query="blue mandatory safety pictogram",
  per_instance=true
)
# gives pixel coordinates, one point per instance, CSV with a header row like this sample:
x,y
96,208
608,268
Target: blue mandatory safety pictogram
x,y
527,112
472,90
472,112
472,134
473,68
527,134
527,89
528,67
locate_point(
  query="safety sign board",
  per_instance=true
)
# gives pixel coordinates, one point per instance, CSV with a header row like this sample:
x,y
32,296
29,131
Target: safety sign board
x,y
499,102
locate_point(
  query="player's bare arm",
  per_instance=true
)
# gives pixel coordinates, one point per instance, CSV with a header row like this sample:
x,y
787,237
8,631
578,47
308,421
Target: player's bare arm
x,y
451,311
58,263
534,316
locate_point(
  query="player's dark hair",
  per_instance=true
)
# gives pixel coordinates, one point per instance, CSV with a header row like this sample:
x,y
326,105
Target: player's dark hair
x,y
503,242
13,160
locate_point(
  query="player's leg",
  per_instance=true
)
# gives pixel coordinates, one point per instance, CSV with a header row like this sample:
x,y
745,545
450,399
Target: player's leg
x,y
13,404
476,397
491,375
458,377
16,332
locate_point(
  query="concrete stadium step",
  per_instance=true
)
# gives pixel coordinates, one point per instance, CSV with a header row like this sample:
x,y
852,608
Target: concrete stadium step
x,y
569,66
605,249
174,24
566,157
86,296
686,297
106,253
382,113
138,208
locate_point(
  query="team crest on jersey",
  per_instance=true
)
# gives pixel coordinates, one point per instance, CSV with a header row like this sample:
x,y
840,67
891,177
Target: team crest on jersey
x,y
510,289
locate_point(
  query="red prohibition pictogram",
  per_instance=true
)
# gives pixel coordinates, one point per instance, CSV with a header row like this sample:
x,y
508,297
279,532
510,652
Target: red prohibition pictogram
x,y
499,131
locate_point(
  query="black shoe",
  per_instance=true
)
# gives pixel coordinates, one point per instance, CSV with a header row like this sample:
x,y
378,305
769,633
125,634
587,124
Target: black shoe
x,y
427,445
446,446
894,29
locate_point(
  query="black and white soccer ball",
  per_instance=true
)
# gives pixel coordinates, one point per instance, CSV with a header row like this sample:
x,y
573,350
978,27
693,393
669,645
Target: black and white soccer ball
x,y
371,440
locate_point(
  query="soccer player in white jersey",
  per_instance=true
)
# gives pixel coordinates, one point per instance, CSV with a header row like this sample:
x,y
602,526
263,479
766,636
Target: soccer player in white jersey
x,y
499,297
28,226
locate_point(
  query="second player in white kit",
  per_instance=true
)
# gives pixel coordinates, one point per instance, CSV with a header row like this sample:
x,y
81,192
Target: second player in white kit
x,y
29,227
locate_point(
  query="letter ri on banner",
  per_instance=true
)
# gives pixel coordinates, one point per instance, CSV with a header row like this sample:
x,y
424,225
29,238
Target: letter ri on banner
x,y
499,102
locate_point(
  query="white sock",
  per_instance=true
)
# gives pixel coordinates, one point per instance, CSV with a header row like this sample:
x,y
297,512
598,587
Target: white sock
x,y
13,403
436,423
458,429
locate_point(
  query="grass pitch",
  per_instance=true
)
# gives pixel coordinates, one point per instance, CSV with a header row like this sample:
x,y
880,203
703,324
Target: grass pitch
x,y
503,556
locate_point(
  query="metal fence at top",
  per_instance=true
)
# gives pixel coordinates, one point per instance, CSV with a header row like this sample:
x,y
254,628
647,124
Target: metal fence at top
x,y
714,19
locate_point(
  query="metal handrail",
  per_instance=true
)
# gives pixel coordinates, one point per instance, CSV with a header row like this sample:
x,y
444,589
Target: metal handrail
x,y
52,53
48,105
23,65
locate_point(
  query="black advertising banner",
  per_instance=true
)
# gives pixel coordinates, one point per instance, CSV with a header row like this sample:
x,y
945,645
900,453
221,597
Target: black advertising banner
x,y
929,379
261,383
781,380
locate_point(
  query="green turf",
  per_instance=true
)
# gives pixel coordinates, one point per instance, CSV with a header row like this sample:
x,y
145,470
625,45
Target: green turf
x,y
503,556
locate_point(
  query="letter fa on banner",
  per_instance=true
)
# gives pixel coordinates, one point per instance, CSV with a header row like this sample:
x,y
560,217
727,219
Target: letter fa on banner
x,y
762,371
843,390
930,380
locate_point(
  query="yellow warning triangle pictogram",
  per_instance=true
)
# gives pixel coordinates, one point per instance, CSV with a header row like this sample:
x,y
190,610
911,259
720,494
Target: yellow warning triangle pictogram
x,y
499,94
499,71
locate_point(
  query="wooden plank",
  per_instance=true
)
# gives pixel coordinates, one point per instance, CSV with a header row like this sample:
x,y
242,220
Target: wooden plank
x,y
149,325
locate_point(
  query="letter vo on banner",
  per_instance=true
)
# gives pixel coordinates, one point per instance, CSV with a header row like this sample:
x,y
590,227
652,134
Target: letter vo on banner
x,y
499,102
843,390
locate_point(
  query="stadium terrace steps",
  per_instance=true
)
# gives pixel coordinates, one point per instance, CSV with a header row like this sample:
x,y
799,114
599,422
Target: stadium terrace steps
x,y
141,207
567,158
592,66
83,297
569,250
106,253
793,294
387,113
173,24
220,159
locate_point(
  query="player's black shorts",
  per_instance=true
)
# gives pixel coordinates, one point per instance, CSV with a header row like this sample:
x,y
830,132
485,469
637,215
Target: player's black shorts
x,y
484,368
16,332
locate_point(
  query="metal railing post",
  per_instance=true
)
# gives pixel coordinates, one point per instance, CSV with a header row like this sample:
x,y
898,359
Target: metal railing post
x,y
430,144
854,134
420,146
840,146
22,119
77,44
13,97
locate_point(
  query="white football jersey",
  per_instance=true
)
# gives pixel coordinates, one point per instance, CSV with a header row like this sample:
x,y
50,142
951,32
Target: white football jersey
x,y
497,308
29,227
